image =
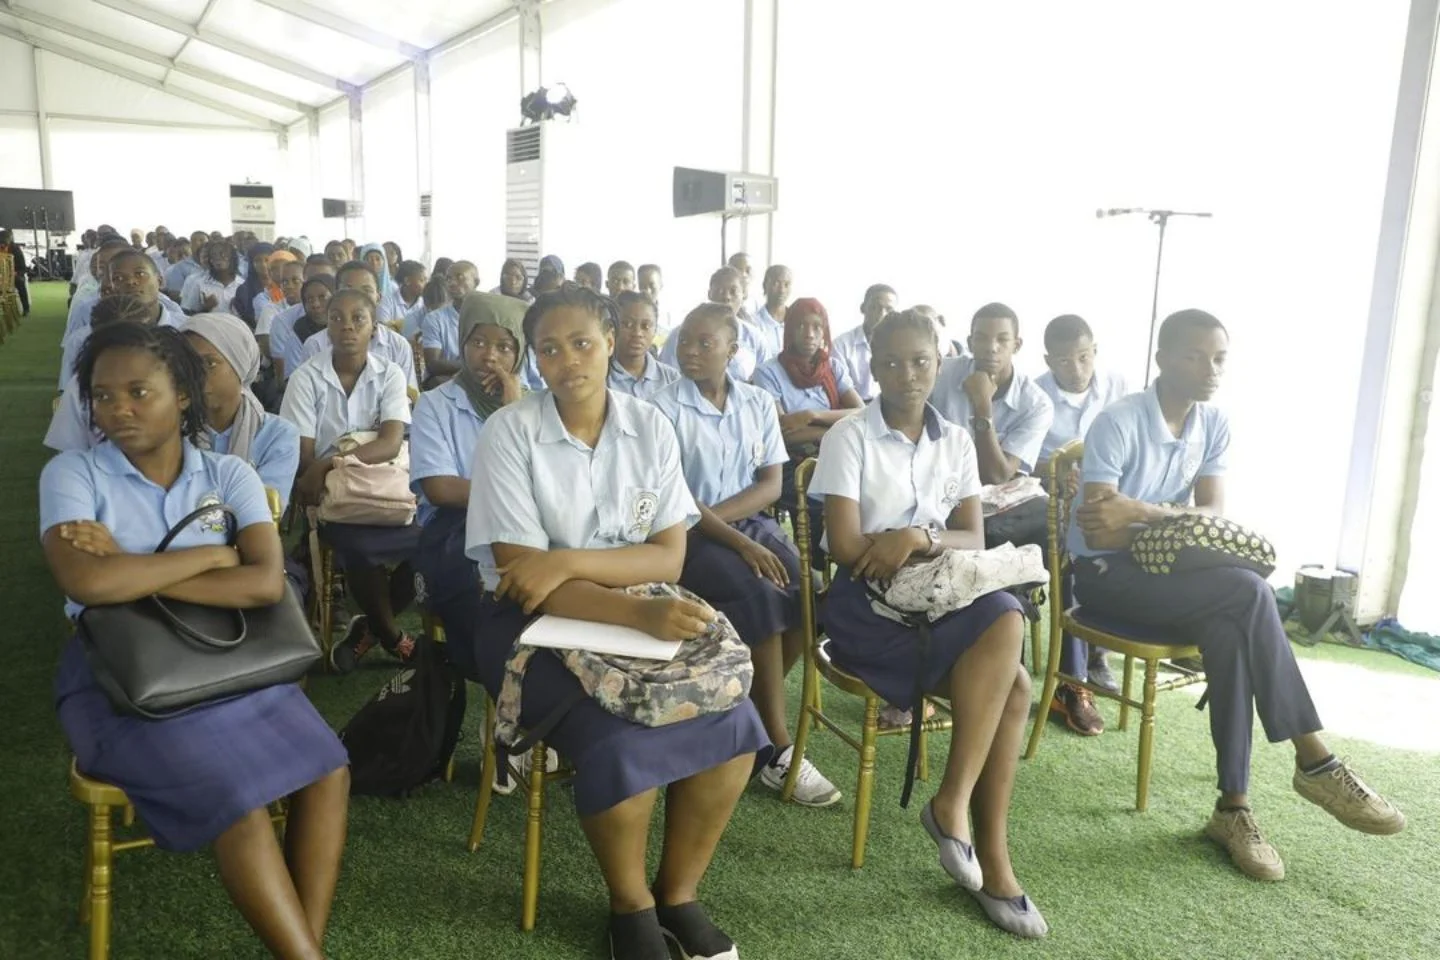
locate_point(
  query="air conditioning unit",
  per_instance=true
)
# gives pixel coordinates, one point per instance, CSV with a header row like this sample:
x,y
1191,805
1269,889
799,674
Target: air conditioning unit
x,y
547,193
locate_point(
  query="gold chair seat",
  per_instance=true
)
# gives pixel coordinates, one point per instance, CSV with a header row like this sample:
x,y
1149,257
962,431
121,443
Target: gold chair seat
x,y
1121,638
94,792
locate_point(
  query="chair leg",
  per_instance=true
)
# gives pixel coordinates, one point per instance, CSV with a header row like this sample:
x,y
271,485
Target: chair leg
x,y
1125,692
1035,641
487,777
530,897
100,861
866,784
809,705
922,767
327,602
128,817
1047,693
1147,737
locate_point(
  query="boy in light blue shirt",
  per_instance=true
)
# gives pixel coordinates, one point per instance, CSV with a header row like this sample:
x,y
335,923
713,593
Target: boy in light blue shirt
x,y
633,370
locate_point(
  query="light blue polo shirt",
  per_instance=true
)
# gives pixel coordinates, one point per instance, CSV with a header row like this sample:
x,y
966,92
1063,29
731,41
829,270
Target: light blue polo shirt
x,y
1020,416
178,273
440,330
853,347
102,485
535,485
655,376
317,404
285,344
413,317
750,351
384,342
720,452
274,454
771,331
772,378
443,435
170,316
1130,446
70,425
1072,420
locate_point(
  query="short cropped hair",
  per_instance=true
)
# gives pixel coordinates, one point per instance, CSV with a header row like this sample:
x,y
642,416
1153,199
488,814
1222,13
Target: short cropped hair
x,y
1066,328
1176,326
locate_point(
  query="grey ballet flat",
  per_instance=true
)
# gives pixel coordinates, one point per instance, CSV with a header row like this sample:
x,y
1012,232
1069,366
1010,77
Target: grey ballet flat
x,y
1017,915
956,856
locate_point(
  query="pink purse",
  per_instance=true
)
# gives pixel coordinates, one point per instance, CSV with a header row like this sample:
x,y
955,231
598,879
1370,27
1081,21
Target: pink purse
x,y
368,494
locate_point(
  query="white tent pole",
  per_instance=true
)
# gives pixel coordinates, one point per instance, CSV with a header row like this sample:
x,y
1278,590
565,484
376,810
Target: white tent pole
x,y
531,41
339,24
357,155
251,119
424,163
264,57
42,119
139,53
757,123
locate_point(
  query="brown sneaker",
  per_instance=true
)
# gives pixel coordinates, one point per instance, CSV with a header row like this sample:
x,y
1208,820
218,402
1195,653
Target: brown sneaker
x,y
1340,792
1237,832
1076,706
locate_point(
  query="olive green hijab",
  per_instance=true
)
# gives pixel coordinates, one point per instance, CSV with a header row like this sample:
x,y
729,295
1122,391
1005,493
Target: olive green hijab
x,y
498,310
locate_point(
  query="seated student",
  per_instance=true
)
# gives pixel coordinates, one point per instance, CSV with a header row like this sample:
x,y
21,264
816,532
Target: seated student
x,y
291,281
588,275
260,290
620,278
1078,392
130,273
290,330
853,346
649,281
443,434
633,370
546,281
813,390
410,280
345,389
440,329
514,281
386,290
770,316
235,423
1006,413
385,342
578,490
736,558
393,258
1145,454
750,306
84,300
177,261
184,268
203,778
948,346
71,427
336,253
214,290
751,351
900,483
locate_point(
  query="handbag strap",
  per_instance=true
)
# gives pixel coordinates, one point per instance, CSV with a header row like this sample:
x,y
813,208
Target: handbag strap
x,y
242,628
196,514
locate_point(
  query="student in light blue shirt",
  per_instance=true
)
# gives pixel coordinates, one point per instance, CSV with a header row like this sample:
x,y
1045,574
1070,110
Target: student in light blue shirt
x,y
205,777
83,301
1078,392
726,287
577,491
176,273
135,278
770,314
410,279
1006,413
853,346
1162,454
737,558
339,392
633,369
235,423
443,436
440,329
293,326
901,485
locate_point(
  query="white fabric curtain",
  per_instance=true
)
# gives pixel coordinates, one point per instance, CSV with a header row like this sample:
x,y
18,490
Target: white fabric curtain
x,y
959,152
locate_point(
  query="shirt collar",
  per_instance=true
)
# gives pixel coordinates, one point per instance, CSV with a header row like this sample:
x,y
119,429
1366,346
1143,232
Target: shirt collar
x,y
879,429
1160,430
618,416
327,370
689,394
111,460
650,371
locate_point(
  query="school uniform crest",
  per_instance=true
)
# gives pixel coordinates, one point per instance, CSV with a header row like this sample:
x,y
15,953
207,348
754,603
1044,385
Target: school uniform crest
x,y
212,521
950,497
757,454
644,505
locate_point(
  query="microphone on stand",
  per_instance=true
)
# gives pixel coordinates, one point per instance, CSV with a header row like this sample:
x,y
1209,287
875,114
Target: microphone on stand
x,y
1117,212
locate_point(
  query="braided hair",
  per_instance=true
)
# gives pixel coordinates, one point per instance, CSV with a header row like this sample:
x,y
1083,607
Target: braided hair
x,y
170,347
715,311
911,319
121,308
571,295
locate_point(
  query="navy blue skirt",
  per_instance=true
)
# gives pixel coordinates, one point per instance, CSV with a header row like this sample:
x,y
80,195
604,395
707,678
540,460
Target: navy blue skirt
x,y
193,776
756,607
886,654
613,758
358,545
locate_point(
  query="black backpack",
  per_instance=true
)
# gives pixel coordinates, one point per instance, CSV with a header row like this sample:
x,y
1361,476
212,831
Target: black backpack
x,y
404,736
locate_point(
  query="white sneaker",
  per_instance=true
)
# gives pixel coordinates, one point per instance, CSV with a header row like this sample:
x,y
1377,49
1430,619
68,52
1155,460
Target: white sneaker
x,y
505,782
811,787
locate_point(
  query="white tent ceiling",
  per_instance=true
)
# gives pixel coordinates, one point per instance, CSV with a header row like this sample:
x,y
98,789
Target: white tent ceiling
x,y
264,62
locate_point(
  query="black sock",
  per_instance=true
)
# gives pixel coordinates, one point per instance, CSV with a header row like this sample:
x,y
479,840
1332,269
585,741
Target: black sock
x,y
1329,763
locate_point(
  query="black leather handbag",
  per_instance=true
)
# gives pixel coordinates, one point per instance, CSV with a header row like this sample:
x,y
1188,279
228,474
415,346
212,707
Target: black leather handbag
x,y
157,658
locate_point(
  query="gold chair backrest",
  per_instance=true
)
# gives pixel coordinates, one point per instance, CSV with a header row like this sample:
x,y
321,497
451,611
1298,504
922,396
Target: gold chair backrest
x,y
1065,461
272,497
803,473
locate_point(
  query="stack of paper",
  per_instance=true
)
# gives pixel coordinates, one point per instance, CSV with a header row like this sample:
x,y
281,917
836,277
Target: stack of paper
x,y
563,633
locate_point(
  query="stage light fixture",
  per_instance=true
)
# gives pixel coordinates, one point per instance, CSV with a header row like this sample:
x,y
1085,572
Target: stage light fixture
x,y
547,103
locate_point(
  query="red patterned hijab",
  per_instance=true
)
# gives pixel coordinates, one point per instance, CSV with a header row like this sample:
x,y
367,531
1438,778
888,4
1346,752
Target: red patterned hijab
x,y
813,371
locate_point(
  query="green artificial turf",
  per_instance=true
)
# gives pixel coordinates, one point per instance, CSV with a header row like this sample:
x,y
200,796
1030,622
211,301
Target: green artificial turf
x,y
1113,883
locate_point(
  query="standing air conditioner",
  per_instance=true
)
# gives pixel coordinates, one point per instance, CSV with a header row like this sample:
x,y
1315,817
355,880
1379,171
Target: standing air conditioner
x,y
546,202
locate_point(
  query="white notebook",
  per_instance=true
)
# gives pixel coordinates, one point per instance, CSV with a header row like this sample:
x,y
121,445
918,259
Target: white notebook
x,y
563,633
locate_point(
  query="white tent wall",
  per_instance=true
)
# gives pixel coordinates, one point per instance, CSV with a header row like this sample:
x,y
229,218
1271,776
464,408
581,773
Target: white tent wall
x,y
970,171
392,202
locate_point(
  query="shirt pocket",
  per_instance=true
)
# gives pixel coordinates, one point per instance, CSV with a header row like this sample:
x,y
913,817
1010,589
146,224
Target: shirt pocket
x,y
639,506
